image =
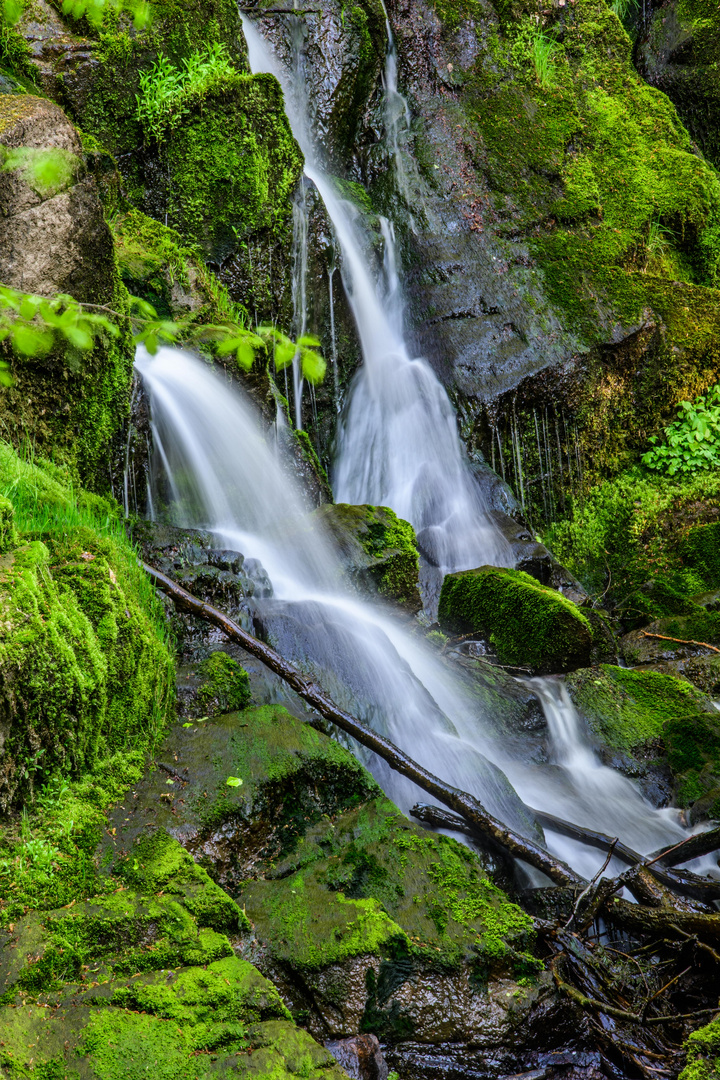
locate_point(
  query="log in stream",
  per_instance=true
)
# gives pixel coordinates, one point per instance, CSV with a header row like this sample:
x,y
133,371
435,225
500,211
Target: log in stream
x,y
638,1012
483,824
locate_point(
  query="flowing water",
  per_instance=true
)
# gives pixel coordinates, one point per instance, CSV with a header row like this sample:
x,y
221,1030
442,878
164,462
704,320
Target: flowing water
x,y
216,470
398,446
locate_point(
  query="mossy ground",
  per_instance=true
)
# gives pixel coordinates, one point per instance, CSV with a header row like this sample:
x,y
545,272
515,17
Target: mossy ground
x,y
528,624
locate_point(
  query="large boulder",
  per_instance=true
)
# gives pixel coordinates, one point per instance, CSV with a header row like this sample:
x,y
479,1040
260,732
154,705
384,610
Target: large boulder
x,y
54,239
84,666
527,624
377,551
143,977
358,915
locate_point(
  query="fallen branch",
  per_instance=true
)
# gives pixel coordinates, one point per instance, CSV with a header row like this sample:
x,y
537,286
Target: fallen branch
x,y
682,882
663,922
590,887
692,848
681,641
483,824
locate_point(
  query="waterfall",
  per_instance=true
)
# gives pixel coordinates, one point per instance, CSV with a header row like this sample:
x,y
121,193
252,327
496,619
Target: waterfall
x,y
577,787
220,474
214,469
398,444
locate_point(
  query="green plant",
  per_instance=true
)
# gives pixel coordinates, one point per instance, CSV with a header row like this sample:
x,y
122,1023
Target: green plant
x,y
284,351
624,9
543,54
168,93
658,243
692,442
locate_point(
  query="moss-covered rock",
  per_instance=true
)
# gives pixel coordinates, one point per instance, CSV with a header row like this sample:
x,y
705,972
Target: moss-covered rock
x,y
679,54
528,624
703,1054
224,684
86,671
653,714
8,535
377,550
625,709
145,979
642,544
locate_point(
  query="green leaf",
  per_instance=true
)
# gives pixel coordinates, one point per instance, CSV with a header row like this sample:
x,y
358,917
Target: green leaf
x,y
313,366
233,781
79,338
12,10
6,378
245,355
29,341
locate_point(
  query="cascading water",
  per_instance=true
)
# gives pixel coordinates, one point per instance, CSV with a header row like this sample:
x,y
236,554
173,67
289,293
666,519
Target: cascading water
x,y
397,444
219,473
399,447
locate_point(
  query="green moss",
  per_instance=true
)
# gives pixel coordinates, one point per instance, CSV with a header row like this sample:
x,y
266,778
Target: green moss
x,y
377,548
370,882
86,671
703,1054
701,552
626,708
528,624
224,685
8,536
234,166
634,540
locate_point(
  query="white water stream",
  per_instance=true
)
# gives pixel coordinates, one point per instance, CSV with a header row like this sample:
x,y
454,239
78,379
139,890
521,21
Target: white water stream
x,y
398,446
223,475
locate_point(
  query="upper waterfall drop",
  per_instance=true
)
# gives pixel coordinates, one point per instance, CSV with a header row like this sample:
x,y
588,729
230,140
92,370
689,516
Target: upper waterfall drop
x,y
397,442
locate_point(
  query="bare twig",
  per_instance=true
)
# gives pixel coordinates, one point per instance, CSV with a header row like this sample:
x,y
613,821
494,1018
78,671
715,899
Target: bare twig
x,y
680,641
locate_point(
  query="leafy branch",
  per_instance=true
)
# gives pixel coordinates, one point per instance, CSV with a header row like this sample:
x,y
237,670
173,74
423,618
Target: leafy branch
x,y
33,325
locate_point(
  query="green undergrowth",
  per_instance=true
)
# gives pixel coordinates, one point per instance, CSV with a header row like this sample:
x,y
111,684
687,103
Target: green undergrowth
x,y
167,93
86,665
528,624
644,544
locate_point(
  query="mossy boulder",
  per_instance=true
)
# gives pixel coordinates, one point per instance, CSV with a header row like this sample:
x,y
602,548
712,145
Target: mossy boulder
x,y
224,684
703,1053
377,550
129,981
85,669
528,625
650,714
352,907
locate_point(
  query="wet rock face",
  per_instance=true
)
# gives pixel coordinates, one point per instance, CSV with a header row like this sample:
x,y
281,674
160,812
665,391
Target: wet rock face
x,y
360,1057
678,53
